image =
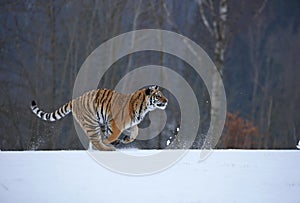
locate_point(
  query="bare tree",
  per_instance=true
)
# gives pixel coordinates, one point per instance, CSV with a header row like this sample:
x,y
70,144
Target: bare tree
x,y
214,17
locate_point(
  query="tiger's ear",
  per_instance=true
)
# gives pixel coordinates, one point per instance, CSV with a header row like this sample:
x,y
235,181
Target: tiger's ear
x,y
154,87
150,89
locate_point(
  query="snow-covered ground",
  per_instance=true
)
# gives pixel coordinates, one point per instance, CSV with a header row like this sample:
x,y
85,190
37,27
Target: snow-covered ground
x,y
225,176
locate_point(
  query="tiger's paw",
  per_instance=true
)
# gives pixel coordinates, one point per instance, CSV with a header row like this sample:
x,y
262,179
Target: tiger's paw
x,y
127,140
116,143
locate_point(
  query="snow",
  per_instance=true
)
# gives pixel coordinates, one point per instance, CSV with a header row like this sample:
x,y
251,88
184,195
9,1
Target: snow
x,y
225,176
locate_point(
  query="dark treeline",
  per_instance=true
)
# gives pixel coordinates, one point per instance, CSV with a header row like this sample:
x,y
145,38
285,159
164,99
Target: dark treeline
x,y
254,44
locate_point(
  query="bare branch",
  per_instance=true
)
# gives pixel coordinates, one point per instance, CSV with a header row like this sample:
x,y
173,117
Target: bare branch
x,y
223,18
204,19
260,10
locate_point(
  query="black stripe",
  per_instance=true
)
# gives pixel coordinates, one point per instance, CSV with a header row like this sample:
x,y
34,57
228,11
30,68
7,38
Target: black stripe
x,y
42,114
91,130
98,116
65,108
136,98
59,113
86,101
141,106
94,137
90,103
34,107
47,116
38,112
109,129
107,104
90,120
53,116
101,112
151,101
97,97
102,105
102,127
104,95
62,112
109,98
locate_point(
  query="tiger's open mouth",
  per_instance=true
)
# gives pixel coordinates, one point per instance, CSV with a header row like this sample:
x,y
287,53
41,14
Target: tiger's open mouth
x,y
162,105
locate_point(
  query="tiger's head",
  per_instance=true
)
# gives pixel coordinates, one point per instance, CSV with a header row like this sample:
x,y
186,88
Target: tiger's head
x,y
155,98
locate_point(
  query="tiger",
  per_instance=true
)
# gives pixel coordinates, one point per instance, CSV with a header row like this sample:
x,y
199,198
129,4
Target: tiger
x,y
105,114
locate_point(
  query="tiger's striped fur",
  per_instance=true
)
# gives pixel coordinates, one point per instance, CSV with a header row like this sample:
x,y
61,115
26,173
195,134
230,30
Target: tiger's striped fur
x,y
104,114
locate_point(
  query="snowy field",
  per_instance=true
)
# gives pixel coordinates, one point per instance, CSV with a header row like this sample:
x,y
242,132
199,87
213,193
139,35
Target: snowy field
x,y
225,176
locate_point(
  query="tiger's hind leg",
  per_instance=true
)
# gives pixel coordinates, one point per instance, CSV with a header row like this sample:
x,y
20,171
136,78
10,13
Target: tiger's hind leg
x,y
114,134
96,140
131,134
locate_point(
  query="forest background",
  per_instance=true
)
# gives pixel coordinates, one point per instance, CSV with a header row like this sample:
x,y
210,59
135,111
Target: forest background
x,y
254,45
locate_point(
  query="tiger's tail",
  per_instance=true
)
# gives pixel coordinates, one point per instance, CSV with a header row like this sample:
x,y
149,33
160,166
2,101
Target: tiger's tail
x,y
55,115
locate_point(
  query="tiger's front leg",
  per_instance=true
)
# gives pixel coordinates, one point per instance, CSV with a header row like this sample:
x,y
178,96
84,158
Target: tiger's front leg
x,y
131,134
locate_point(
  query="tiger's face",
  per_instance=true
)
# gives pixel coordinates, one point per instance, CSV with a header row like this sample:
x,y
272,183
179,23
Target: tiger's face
x,y
155,98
